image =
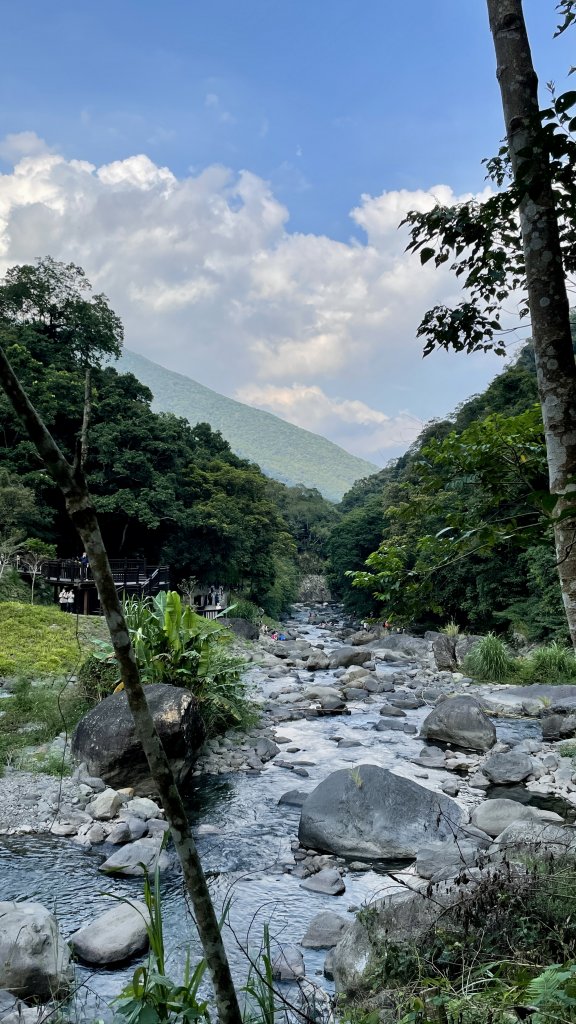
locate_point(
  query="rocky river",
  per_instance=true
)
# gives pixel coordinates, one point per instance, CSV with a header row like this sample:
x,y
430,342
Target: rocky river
x,y
319,718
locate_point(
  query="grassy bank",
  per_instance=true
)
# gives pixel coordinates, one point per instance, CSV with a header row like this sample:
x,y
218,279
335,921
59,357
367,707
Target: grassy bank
x,y
41,641
41,649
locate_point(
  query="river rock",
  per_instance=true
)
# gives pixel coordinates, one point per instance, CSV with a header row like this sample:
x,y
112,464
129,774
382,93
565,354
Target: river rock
x,y
14,1011
131,858
346,656
444,650
317,660
372,813
266,749
537,839
293,798
445,858
401,916
392,712
105,805
136,826
105,737
328,881
513,766
461,721
324,931
463,646
493,816
115,936
143,807
288,964
34,958
556,727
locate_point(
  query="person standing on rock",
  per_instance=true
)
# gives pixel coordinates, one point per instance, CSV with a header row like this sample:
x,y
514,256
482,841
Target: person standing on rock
x,y
63,600
71,600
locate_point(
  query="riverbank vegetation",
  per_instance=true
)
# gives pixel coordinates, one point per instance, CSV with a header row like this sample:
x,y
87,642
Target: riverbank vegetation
x,y
458,528
503,953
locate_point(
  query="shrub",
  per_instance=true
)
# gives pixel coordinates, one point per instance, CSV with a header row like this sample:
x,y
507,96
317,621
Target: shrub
x,y
98,677
173,644
554,663
242,608
489,660
451,628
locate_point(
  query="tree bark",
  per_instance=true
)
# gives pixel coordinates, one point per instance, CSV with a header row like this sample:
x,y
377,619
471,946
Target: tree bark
x,y
547,296
82,513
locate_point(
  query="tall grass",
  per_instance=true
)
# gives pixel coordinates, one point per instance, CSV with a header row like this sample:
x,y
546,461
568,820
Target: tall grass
x,y
554,663
490,660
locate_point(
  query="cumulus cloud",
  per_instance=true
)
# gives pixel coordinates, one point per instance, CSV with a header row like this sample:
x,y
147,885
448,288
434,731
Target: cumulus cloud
x,y
210,281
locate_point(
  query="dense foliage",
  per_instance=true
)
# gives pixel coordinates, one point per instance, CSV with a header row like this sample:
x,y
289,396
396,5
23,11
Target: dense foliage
x,y
458,528
173,644
164,490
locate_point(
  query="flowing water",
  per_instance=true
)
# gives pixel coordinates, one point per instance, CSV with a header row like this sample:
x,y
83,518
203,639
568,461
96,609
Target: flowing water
x,y
244,840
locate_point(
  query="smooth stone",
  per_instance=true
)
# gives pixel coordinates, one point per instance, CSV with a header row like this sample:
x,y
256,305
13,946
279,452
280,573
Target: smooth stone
x,y
328,881
507,767
129,860
372,813
493,816
143,807
324,931
461,721
114,936
293,798
288,964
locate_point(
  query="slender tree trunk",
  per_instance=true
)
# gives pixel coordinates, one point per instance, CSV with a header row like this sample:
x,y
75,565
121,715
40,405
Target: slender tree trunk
x,y
547,297
79,506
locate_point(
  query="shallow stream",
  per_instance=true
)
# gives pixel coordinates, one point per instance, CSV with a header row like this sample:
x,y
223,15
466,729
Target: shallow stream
x,y
244,840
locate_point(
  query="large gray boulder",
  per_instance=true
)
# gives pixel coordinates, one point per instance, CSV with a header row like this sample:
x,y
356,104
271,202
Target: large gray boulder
x,y
346,656
371,813
402,916
317,660
461,721
34,958
512,766
493,816
105,738
463,646
243,628
444,650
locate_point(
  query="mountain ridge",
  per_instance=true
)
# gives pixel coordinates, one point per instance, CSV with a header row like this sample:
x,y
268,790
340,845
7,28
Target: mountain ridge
x,y
283,451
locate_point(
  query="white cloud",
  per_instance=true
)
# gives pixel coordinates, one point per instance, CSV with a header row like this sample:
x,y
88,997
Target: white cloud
x,y
209,281
13,147
350,422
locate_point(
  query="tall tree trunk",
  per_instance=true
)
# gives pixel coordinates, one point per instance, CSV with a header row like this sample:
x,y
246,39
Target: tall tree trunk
x,y
547,298
79,506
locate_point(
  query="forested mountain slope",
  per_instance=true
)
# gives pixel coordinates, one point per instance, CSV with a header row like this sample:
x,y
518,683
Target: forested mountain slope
x,y
283,451
455,529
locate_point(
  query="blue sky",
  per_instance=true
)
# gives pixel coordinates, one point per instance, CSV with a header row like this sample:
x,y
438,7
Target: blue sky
x,y
321,103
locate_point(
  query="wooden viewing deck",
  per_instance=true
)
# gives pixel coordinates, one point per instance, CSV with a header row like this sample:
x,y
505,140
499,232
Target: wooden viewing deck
x,y
133,577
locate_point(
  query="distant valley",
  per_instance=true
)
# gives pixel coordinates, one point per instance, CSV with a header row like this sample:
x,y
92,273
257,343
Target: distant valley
x,y
283,451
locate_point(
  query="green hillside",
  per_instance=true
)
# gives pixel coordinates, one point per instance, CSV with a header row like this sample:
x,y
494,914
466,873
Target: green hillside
x,y
283,451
